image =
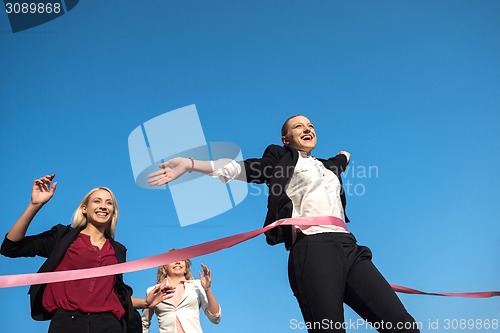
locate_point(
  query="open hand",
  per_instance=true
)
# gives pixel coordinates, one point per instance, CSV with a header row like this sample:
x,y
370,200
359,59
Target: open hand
x,y
159,294
206,279
43,190
170,170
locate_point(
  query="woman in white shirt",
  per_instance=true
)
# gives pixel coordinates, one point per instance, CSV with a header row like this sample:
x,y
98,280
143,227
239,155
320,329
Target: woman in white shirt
x,y
181,313
326,267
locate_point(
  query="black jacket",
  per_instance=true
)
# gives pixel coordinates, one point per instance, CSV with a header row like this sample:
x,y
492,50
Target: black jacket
x,y
52,244
275,168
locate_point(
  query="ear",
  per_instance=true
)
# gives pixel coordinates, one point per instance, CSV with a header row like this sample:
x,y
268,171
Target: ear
x,y
84,209
285,140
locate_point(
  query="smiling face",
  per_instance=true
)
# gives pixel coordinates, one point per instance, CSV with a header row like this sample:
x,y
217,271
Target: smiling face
x,y
177,268
99,208
300,134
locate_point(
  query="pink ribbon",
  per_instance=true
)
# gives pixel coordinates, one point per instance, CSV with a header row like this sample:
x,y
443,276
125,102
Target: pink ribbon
x,y
472,294
7,281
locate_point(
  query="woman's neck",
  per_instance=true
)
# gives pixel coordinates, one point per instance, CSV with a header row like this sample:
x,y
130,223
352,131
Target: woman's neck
x,y
97,235
304,153
174,280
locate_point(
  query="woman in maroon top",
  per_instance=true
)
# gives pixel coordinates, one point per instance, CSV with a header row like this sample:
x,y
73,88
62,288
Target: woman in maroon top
x,y
92,305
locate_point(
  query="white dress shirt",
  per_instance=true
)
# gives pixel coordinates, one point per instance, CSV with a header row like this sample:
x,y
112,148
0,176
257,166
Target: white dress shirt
x,y
313,189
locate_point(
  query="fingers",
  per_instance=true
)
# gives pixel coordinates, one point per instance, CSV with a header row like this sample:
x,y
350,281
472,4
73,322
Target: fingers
x,y
153,292
43,183
156,178
165,288
206,279
163,166
158,181
157,173
167,292
45,179
206,272
169,171
160,177
205,268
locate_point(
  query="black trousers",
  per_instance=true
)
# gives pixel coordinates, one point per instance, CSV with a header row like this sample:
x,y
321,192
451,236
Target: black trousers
x,y
79,322
328,269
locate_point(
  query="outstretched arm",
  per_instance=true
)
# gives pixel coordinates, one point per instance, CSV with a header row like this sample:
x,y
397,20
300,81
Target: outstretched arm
x,y
42,191
176,167
256,170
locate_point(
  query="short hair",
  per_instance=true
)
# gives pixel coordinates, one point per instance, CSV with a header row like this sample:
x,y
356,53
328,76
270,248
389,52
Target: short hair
x,y
162,271
80,219
284,128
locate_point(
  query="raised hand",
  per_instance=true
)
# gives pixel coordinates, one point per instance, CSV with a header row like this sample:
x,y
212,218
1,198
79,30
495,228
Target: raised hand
x,y
206,282
43,190
170,170
206,279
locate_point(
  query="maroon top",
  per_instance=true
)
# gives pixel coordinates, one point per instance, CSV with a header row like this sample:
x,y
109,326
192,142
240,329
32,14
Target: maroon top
x,y
87,295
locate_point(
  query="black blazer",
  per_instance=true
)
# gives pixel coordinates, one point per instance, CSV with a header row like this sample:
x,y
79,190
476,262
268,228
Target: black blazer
x,y
52,244
275,168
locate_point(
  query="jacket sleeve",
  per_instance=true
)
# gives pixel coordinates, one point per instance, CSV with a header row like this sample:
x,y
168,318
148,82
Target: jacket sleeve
x,y
147,315
260,170
340,161
37,245
202,299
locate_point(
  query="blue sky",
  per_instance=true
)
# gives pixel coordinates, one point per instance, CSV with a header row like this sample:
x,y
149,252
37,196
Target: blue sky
x,y
410,88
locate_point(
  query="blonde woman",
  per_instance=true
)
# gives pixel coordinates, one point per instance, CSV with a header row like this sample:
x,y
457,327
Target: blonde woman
x,y
93,305
181,313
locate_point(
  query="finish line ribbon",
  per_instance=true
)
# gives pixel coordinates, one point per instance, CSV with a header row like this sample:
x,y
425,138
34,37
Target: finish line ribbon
x,y
17,280
472,294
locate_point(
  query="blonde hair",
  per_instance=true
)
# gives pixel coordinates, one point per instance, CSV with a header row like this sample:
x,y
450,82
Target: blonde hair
x,y
80,219
162,271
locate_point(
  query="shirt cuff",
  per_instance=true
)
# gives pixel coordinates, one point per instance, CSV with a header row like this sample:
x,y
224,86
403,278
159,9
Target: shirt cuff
x,y
229,170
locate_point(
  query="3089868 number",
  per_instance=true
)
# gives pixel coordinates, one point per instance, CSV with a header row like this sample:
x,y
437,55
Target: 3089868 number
x,y
32,8
471,324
